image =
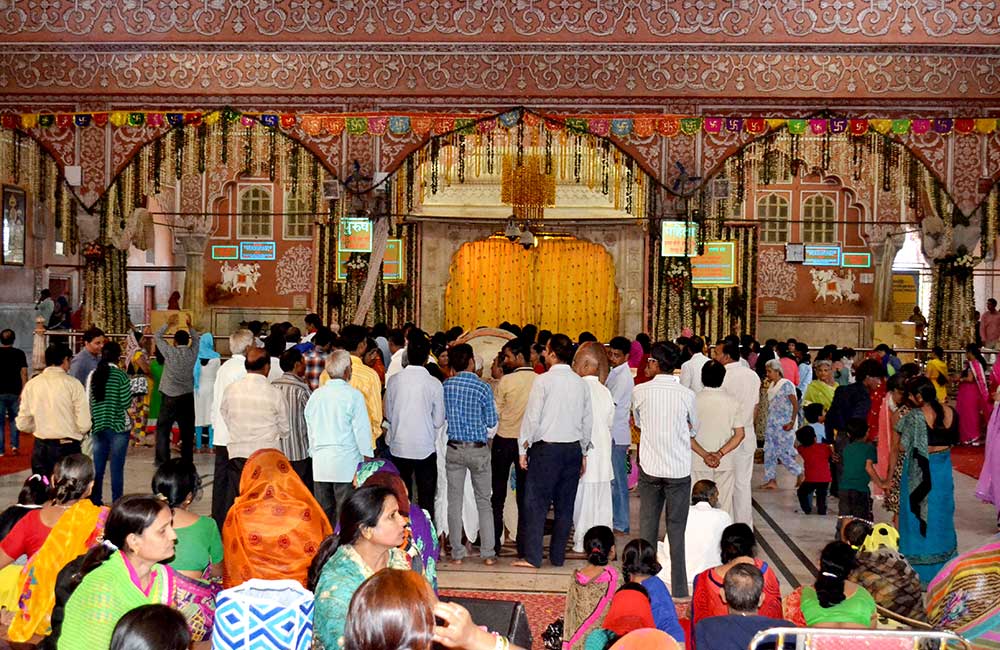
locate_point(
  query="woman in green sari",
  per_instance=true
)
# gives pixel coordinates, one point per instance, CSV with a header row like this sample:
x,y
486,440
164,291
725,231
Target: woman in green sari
x,y
820,390
138,537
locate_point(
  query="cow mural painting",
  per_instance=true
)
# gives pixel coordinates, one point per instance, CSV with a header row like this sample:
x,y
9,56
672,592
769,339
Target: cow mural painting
x,y
240,277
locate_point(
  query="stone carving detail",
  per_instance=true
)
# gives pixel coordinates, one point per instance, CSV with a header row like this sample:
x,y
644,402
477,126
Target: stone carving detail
x,y
294,271
765,20
775,278
554,69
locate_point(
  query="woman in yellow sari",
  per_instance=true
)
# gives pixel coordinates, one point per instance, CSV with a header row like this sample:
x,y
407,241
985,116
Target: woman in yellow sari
x,y
937,372
78,529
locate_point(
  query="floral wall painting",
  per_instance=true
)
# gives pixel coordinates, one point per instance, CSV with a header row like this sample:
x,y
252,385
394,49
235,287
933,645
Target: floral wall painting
x,y
14,219
294,272
241,277
776,279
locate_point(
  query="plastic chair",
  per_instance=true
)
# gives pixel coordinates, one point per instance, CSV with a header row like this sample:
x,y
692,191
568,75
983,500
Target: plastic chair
x,y
815,638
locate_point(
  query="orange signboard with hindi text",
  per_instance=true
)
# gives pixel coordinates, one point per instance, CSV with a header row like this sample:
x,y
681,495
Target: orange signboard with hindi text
x,y
716,267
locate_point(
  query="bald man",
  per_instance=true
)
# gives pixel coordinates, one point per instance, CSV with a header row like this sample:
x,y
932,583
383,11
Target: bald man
x,y
255,414
593,495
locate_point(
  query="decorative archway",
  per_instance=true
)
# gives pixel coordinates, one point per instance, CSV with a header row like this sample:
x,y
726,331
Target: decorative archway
x,y
564,285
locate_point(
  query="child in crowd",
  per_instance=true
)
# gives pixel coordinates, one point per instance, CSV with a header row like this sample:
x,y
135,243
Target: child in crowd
x,y
815,417
860,458
816,457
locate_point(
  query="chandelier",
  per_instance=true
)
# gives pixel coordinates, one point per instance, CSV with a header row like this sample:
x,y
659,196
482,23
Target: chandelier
x,y
526,186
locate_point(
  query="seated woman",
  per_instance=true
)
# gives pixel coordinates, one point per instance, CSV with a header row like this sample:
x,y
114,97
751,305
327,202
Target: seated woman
x,y
630,610
965,596
52,536
197,558
397,609
371,531
130,576
421,542
151,627
834,601
591,589
881,569
34,494
738,546
275,525
640,567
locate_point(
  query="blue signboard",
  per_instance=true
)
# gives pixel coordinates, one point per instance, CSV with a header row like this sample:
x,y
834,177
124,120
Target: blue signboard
x,y
822,256
257,250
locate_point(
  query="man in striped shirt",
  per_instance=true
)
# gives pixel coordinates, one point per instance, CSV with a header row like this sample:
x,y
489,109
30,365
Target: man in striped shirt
x,y
295,392
471,414
664,411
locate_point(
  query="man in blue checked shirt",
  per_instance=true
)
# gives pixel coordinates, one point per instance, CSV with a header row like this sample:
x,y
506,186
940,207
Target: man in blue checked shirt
x,y
471,415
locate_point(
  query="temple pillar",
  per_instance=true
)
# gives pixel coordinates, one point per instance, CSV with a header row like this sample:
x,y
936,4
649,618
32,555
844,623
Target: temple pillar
x,y
193,295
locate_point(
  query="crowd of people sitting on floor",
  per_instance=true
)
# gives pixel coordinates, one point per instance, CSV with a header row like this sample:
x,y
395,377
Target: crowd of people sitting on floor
x,y
350,462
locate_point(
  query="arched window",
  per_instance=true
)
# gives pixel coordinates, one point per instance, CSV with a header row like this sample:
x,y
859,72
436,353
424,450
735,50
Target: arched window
x,y
255,214
819,220
298,220
772,213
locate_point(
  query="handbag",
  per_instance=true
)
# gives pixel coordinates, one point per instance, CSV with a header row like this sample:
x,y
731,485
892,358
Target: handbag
x,y
195,599
138,384
264,615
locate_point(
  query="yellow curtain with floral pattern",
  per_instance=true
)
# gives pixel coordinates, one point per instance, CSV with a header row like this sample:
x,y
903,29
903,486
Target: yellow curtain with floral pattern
x,y
564,285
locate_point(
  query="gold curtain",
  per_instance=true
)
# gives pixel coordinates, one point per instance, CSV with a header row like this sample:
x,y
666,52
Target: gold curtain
x,y
564,285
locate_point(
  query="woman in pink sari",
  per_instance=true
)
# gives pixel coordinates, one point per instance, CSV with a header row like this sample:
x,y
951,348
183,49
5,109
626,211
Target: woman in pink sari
x,y
973,400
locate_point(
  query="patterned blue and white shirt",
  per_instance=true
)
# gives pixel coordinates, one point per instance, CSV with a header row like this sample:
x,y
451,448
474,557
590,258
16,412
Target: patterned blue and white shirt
x,y
468,408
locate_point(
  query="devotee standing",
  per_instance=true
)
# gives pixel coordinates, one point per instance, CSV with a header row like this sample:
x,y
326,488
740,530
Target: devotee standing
x,y
621,384
779,433
555,436
397,353
665,413
86,360
353,338
230,372
205,371
989,325
720,429
295,391
471,414
512,394
13,377
45,307
744,384
339,435
414,409
54,408
691,369
593,505
255,415
973,399
177,389
315,356
850,402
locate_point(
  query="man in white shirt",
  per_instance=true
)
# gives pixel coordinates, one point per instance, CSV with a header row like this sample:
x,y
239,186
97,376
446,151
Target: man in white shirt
x,y
593,496
665,413
703,536
397,352
229,372
720,432
555,436
691,369
254,411
620,383
414,409
743,384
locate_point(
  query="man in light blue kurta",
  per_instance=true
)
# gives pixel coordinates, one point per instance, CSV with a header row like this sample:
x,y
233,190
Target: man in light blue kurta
x,y
340,435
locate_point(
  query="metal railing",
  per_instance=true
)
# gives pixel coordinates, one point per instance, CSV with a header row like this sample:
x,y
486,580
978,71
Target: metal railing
x,y
811,638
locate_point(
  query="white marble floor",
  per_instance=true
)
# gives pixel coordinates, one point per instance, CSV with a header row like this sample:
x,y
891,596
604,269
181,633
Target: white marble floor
x,y
791,542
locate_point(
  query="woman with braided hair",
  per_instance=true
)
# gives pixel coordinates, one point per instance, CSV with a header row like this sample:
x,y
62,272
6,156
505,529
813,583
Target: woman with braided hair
x,y
835,601
66,527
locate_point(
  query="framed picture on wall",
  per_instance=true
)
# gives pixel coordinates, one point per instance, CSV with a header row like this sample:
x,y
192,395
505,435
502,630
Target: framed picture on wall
x,y
14,219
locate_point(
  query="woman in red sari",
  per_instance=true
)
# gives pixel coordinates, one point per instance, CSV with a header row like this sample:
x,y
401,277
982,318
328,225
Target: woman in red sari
x,y
738,546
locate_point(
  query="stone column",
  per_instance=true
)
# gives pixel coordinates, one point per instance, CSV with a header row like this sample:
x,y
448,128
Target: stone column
x,y
193,295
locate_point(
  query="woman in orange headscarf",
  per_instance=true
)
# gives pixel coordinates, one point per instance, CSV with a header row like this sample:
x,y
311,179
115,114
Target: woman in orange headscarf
x,y
275,525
